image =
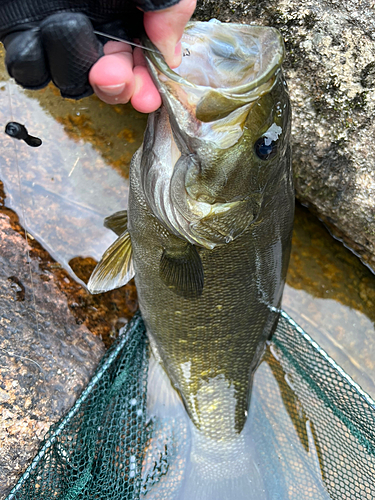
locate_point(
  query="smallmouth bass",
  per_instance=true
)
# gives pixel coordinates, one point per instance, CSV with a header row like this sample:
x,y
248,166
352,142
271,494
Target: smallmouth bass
x,y
207,236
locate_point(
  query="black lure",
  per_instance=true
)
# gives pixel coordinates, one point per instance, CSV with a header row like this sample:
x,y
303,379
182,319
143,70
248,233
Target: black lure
x,y
18,131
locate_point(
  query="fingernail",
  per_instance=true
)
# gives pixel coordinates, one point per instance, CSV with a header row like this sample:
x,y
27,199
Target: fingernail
x,y
112,89
137,83
175,60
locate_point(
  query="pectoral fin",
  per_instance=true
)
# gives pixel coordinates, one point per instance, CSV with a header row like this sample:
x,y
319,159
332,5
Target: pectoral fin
x,y
181,270
117,222
115,268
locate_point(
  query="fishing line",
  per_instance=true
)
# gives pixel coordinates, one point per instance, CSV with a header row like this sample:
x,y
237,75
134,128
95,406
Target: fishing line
x,y
24,218
118,39
12,354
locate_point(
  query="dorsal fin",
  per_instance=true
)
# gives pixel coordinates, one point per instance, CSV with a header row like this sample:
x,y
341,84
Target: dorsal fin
x,y
117,222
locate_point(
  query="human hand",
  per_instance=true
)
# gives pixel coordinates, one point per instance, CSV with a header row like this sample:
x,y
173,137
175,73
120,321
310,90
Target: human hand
x,y
45,40
121,75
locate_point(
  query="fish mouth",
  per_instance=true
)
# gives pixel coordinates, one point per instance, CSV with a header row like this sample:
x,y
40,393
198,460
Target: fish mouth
x,y
224,67
206,103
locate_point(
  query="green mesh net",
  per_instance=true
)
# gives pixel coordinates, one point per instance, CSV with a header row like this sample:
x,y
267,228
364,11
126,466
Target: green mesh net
x,y
313,428
96,450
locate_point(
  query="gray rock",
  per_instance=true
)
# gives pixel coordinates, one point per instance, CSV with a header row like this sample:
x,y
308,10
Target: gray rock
x,y
330,68
46,359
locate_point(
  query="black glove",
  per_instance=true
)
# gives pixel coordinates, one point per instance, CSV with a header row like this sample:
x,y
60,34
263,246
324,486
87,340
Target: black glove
x,y
54,39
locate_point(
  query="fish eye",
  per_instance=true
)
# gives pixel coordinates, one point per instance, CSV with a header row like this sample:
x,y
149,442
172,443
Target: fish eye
x,y
265,148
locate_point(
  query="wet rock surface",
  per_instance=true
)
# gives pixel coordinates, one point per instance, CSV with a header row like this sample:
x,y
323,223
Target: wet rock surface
x,y
53,333
46,358
330,68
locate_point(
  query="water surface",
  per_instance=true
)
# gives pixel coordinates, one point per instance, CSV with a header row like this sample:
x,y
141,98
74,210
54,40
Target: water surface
x,y
66,187
331,294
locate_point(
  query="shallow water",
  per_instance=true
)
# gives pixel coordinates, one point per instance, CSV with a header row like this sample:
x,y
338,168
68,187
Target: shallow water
x,y
79,175
331,294
66,187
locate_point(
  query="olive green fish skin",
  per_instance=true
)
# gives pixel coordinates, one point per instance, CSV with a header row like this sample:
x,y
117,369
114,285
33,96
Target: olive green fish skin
x,y
210,345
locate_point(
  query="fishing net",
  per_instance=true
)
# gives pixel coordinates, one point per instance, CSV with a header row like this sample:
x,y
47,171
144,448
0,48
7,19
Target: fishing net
x,y
314,429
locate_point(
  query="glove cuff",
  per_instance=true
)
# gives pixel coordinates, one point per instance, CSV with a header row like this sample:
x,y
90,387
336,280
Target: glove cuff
x,y
151,5
17,13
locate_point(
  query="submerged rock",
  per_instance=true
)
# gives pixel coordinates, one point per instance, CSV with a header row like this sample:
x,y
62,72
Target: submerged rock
x,y
330,69
46,358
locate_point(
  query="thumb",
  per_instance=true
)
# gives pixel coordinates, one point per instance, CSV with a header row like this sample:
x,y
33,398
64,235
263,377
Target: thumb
x,y
165,29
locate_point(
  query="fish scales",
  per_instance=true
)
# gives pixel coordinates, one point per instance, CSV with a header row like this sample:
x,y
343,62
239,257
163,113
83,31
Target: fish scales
x,y
210,217
220,331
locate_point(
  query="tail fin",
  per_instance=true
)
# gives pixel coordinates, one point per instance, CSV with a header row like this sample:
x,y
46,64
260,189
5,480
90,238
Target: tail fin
x,y
181,463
